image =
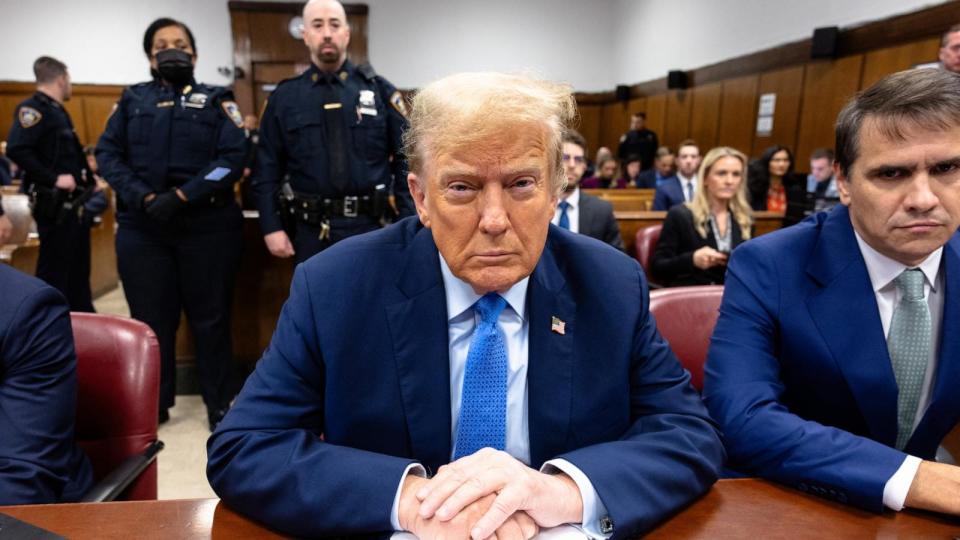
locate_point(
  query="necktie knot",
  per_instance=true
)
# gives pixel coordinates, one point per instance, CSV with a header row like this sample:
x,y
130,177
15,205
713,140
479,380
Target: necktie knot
x,y
489,306
910,284
564,205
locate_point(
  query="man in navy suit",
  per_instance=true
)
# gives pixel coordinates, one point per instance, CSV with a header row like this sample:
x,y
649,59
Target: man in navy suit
x,y
514,361
835,361
577,211
680,188
39,462
662,171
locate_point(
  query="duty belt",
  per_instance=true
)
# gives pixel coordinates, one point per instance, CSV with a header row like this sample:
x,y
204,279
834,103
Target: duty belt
x,y
313,209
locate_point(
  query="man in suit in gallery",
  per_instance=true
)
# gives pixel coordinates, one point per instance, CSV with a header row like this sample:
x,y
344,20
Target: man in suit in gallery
x,y
681,187
576,211
514,361
835,361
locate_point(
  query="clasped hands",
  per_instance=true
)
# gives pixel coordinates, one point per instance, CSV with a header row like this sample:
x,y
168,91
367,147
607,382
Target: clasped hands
x,y
488,494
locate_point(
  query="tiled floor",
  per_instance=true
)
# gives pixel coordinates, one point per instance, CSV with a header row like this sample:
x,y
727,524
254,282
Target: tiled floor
x,y
183,461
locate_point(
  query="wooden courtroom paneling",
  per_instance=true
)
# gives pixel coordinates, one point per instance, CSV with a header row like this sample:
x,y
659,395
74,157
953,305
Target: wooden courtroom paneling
x,y
677,122
97,110
882,62
614,122
657,113
738,113
589,127
705,114
827,86
787,84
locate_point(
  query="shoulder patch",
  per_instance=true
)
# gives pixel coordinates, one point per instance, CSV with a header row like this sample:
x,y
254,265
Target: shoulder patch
x,y
623,137
232,111
28,117
398,103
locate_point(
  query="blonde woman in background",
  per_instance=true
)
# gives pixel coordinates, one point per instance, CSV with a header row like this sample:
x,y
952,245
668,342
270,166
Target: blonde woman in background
x,y
697,236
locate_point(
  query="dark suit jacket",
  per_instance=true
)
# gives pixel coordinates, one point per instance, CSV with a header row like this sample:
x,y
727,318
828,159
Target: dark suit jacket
x,y
798,373
597,220
360,355
672,262
668,194
39,462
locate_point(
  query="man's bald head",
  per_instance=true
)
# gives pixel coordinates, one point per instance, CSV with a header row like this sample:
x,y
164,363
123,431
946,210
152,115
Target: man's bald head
x,y
326,33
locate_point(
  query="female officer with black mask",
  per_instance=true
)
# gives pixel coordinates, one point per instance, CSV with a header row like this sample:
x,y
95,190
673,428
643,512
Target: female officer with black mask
x,y
172,150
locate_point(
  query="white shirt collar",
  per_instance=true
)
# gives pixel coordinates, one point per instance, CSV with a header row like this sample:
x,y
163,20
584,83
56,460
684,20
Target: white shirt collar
x,y
684,180
573,199
461,296
883,270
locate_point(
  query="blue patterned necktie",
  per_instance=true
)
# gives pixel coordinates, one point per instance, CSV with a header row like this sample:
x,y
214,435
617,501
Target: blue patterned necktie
x,y
908,343
483,405
564,221
689,191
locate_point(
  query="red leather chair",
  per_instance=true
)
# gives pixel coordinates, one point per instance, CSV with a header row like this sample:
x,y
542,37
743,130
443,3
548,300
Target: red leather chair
x,y
118,372
645,243
685,318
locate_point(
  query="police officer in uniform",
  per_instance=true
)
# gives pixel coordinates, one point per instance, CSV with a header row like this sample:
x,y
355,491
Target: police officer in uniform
x,y
172,150
329,146
639,141
43,142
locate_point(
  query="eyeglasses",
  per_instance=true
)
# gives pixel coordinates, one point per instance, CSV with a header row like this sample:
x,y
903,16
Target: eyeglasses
x,y
579,160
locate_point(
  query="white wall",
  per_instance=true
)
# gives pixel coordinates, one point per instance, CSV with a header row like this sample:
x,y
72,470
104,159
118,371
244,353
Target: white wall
x,y
655,36
593,45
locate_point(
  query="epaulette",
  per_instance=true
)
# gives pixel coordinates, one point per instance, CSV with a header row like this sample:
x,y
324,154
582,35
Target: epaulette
x,y
367,71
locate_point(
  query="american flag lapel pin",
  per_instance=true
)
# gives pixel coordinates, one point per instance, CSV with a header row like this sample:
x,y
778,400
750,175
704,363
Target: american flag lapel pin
x,y
558,326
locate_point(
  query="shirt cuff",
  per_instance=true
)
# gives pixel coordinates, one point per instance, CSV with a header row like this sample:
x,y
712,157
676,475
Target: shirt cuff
x,y
594,511
896,488
415,469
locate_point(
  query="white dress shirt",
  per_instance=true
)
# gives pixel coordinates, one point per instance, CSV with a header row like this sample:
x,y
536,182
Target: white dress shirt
x,y
883,270
573,211
461,322
684,182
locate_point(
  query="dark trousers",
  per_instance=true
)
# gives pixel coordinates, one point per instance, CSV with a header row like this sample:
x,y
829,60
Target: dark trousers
x,y
307,242
64,260
190,264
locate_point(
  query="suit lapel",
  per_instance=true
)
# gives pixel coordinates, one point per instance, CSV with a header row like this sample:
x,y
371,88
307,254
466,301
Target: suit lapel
x,y
845,312
550,362
586,216
418,327
944,410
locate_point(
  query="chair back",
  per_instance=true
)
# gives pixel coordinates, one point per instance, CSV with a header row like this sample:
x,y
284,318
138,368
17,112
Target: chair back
x,y
118,372
685,318
645,244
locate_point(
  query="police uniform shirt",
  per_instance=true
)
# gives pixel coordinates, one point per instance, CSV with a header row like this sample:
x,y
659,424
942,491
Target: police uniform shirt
x,y
641,143
159,138
293,139
43,142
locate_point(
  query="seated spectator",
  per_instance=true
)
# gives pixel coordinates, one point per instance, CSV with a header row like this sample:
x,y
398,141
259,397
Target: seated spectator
x,y
698,236
603,153
576,211
664,168
605,177
6,226
6,166
821,182
674,191
630,171
770,178
39,462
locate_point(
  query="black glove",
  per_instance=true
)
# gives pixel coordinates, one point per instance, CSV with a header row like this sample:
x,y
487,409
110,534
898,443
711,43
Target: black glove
x,y
164,206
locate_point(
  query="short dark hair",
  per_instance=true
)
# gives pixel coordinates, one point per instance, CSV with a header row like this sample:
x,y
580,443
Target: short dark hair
x,y
688,142
928,98
164,22
663,151
573,136
640,115
46,69
822,153
946,35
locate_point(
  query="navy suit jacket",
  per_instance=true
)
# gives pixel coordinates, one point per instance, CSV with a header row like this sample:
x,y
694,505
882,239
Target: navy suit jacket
x,y
597,220
668,194
798,373
39,462
360,355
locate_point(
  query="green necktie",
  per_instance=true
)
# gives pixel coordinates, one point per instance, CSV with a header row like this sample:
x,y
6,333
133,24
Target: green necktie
x,y
909,345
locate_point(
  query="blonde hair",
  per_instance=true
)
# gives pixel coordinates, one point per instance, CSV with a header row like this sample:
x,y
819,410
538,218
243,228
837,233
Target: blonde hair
x,y
738,206
464,109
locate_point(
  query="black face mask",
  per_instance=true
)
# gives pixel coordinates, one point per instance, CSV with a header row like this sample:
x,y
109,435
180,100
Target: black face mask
x,y
175,66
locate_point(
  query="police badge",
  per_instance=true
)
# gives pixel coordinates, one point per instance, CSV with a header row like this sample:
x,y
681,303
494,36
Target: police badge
x,y
232,111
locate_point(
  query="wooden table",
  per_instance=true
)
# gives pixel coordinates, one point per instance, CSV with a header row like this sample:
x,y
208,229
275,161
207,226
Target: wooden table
x,y
743,508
